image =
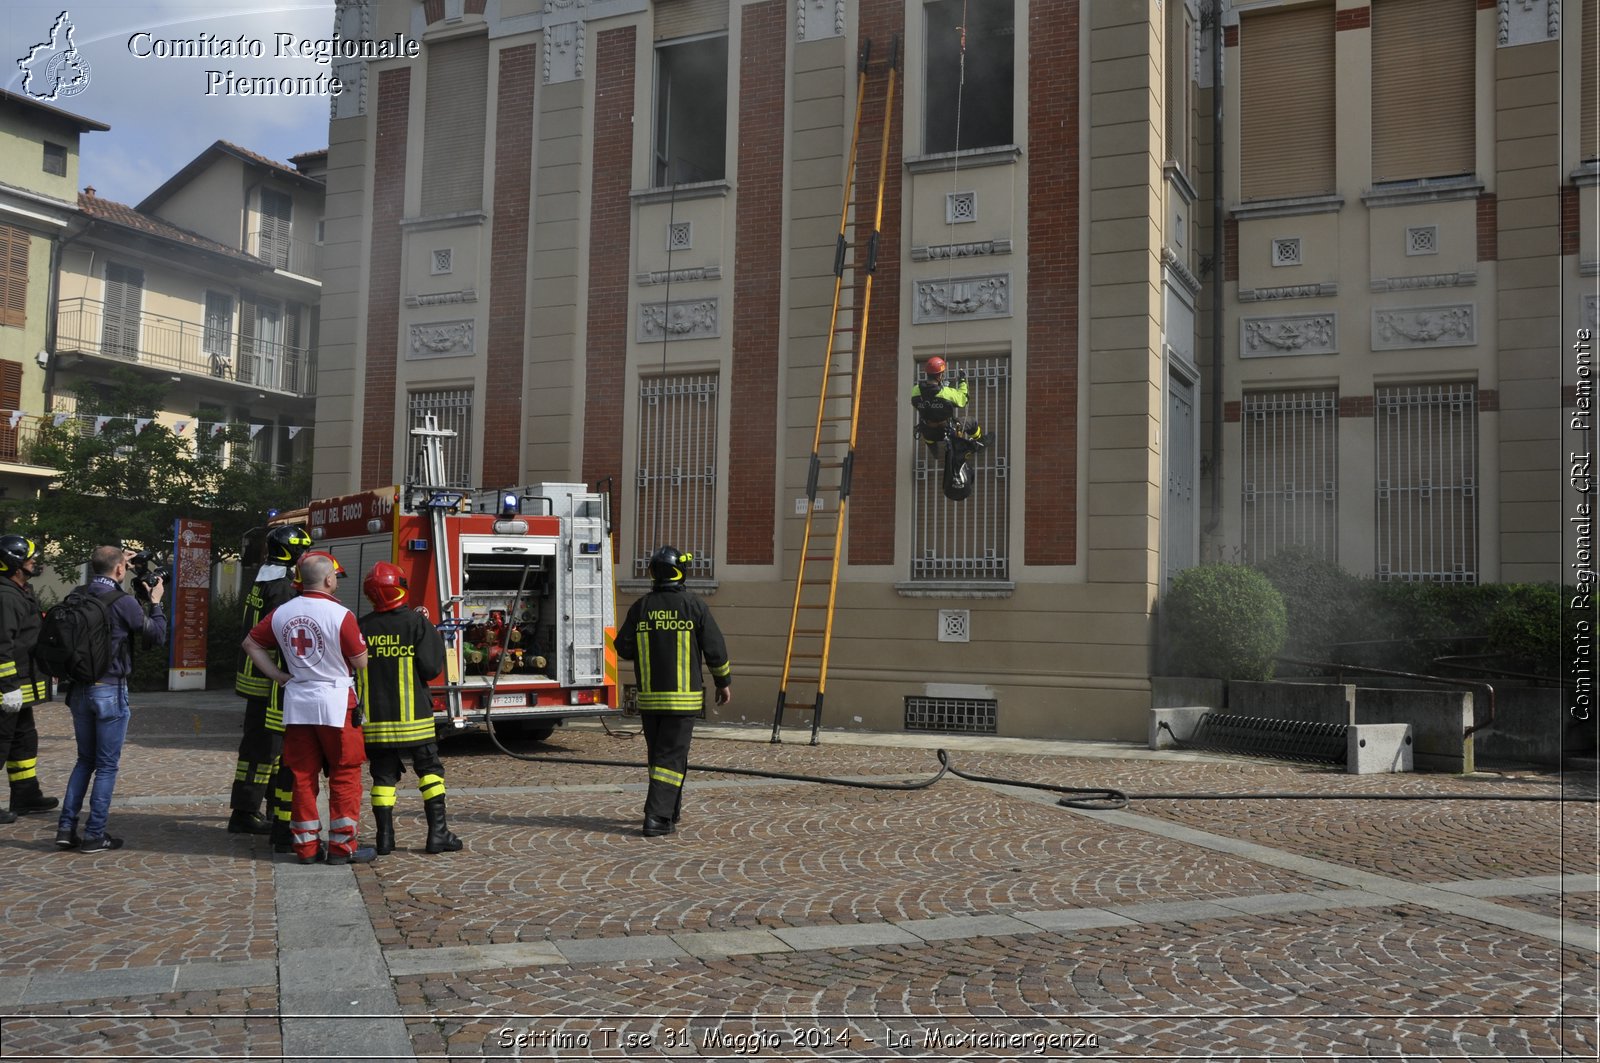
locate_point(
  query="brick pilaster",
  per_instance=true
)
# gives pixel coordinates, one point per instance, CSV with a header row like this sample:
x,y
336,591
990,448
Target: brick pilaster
x,y
379,401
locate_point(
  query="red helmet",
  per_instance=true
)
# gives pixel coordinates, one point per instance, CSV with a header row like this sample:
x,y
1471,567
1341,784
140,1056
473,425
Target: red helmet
x,y
385,586
933,366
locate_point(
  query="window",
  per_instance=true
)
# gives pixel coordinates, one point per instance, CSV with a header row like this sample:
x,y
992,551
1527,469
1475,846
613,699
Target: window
x,y
1180,84
1287,103
967,540
691,111
1424,66
968,95
1589,94
675,497
454,119
13,277
55,159
1291,472
218,341
1427,474
452,408
119,331
261,340
277,228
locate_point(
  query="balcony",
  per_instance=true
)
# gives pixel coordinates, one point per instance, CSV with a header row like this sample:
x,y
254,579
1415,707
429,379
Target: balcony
x,y
17,444
177,346
299,257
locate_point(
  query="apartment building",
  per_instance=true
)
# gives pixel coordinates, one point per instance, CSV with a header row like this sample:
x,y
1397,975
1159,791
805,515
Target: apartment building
x,y
598,240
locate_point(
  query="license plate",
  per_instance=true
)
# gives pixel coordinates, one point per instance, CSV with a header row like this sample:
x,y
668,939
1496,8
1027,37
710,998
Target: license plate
x,y
508,701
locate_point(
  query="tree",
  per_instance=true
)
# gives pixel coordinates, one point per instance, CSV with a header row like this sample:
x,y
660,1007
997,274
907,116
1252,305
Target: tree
x,y
124,484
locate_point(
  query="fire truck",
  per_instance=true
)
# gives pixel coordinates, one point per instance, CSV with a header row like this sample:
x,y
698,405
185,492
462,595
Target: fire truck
x,y
519,582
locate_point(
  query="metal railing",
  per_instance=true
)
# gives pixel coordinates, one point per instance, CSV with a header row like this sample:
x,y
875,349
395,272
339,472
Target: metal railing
x,y
300,257
82,326
17,444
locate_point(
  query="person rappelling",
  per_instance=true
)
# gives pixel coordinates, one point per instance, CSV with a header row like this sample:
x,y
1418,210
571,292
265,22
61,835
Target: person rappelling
x,y
937,405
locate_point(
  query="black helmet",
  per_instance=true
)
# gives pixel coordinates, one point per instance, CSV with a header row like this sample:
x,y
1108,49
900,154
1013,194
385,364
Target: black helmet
x,y
15,551
667,565
286,543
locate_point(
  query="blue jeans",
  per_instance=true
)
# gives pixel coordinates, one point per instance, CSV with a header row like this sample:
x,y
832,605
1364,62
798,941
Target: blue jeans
x,y
100,721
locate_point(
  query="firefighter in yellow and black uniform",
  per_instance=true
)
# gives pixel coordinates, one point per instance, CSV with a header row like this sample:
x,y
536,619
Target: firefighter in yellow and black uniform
x,y
404,651
22,686
260,748
667,634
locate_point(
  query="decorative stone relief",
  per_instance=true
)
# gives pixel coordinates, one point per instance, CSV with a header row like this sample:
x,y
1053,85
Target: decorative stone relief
x,y
1461,279
817,19
1287,291
962,298
441,339
564,40
933,252
676,276
465,295
1528,21
352,20
1272,337
1424,326
691,319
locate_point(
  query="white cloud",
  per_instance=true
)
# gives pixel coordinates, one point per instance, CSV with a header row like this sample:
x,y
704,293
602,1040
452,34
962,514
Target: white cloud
x,y
159,109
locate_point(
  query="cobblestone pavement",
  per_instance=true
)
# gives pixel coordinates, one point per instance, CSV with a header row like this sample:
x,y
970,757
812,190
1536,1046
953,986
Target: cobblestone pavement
x,y
789,920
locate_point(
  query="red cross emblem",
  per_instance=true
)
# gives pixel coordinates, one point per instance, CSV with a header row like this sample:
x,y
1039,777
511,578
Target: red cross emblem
x,y
302,641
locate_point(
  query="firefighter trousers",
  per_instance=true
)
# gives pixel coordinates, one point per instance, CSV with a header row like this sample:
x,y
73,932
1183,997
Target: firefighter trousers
x,y
19,746
309,750
666,737
259,750
386,763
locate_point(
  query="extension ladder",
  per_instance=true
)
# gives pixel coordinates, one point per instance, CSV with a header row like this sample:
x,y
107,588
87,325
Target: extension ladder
x,y
805,658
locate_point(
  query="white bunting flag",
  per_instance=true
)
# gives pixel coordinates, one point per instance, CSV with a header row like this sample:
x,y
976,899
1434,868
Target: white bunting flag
x,y
59,418
294,430
141,423
180,428
16,415
101,422
217,429
255,430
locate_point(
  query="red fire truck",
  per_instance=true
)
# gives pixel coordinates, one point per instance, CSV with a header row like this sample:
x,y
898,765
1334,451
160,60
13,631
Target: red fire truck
x,y
519,581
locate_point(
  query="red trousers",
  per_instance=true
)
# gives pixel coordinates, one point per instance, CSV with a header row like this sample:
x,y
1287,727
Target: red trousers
x,y
310,750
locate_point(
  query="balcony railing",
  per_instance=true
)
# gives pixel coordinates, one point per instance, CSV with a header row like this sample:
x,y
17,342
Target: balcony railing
x,y
17,444
299,257
82,325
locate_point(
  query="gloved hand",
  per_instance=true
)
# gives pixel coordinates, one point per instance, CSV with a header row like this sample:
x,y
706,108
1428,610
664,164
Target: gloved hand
x,y
11,701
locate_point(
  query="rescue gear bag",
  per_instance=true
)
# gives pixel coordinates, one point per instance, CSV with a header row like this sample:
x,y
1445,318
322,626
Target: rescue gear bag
x,y
75,642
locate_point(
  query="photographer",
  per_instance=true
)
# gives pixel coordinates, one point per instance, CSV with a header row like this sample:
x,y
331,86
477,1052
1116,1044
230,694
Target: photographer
x,y
100,709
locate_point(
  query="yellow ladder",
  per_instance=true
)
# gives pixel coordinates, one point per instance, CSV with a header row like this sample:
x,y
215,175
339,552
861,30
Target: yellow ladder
x,y
805,658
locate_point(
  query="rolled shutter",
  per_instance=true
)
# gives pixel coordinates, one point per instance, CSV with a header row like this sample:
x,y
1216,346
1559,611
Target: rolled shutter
x,y
455,116
1589,104
688,18
1424,63
1288,103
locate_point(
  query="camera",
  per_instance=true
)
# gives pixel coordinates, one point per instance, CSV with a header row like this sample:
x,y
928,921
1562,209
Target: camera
x,y
148,570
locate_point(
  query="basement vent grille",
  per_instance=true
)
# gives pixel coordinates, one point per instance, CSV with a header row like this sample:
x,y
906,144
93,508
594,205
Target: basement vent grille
x,y
957,715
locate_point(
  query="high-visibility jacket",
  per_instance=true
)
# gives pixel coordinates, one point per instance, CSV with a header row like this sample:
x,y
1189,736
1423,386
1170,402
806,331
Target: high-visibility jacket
x,y
668,634
264,596
20,622
404,651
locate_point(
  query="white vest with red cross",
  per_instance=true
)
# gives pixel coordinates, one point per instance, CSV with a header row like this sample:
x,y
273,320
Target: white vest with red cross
x,y
319,691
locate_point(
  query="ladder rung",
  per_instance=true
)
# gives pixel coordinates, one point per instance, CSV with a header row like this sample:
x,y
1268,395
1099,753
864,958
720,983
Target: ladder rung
x,y
799,708
810,631
807,656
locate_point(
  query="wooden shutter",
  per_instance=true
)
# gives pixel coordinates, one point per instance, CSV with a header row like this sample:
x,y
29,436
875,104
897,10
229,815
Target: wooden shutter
x,y
455,115
276,228
1424,62
687,18
245,371
1589,71
13,276
10,399
1288,103
119,334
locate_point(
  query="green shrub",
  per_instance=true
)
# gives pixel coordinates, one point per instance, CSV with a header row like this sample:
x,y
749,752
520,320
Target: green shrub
x,y
223,635
1407,625
1223,621
1322,600
1525,629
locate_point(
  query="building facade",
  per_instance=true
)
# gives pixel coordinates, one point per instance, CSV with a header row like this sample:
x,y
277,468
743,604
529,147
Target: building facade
x,y
598,239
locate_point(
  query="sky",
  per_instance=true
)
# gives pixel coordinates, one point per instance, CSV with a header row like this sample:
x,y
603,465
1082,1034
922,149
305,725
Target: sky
x,y
158,107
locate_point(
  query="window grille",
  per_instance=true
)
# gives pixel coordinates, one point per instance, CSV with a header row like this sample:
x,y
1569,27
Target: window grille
x,y
675,497
1427,476
1422,240
1286,252
967,540
960,207
680,236
453,409
1291,472
963,715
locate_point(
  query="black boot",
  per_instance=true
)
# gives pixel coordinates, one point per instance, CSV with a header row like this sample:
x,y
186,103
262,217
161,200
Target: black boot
x,y
28,799
384,817
440,840
243,822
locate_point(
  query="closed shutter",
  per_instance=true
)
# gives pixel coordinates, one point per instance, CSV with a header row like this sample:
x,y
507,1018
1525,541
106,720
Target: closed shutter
x,y
1287,103
276,228
124,296
1589,70
1424,63
13,277
453,126
248,354
10,399
687,18
293,356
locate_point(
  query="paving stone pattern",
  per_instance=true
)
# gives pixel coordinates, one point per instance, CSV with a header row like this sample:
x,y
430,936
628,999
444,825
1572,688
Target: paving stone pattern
x,y
786,920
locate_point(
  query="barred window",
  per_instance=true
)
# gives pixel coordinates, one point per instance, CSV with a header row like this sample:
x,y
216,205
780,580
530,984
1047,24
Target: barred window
x,y
1291,472
675,480
1427,477
967,540
452,408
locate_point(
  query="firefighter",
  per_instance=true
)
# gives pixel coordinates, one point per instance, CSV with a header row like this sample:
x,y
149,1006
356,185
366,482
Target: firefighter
x,y
261,747
666,635
404,651
937,402
21,685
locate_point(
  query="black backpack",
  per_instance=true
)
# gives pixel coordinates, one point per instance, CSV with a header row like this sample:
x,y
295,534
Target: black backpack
x,y
75,642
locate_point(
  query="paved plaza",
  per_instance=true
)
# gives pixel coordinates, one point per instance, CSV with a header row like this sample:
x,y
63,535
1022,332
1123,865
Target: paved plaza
x,y
792,920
